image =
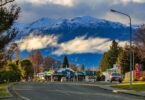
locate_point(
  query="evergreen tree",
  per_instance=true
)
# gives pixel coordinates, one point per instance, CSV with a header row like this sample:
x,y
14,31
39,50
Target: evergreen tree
x,y
124,59
82,67
7,18
104,63
8,14
113,53
65,63
109,58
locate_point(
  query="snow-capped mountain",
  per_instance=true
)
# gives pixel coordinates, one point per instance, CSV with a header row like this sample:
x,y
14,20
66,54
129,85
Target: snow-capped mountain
x,y
78,25
85,28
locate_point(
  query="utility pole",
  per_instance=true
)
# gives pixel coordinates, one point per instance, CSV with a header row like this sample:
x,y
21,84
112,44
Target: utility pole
x,y
130,43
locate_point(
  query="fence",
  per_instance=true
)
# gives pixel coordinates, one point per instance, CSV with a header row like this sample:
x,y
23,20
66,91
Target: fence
x,y
127,75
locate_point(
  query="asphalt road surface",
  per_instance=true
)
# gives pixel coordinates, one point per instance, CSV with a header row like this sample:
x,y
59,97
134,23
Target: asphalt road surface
x,y
67,91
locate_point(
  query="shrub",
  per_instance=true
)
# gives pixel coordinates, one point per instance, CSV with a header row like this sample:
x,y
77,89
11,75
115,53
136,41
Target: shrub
x,y
142,79
10,73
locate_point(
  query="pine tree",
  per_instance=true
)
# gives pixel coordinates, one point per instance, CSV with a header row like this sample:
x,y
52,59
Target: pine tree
x,y
124,58
109,58
82,67
7,18
8,14
65,63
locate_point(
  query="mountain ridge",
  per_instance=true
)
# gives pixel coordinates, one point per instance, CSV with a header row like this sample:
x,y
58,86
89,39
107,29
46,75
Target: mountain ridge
x,y
69,29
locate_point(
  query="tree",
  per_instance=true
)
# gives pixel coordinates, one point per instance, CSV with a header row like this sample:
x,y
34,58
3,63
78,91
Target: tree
x,y
57,64
124,58
48,62
31,57
25,66
113,53
74,67
4,2
140,41
8,14
109,58
41,69
82,67
13,49
11,73
65,63
38,59
7,18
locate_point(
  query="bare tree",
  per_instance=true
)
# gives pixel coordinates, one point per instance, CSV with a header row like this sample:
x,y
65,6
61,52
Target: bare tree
x,y
38,59
48,62
74,67
140,41
31,57
13,49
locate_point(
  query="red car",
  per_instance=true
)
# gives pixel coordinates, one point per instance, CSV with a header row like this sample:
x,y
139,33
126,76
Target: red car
x,y
116,77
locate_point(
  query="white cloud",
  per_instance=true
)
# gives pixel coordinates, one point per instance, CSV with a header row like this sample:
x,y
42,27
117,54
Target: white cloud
x,y
137,1
78,45
121,18
83,45
58,2
37,42
127,1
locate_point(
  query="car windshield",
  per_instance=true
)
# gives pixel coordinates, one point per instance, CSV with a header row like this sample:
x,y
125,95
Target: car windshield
x,y
115,74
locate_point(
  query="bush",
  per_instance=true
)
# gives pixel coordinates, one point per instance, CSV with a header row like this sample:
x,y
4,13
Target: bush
x,y
37,80
100,77
10,73
141,79
9,76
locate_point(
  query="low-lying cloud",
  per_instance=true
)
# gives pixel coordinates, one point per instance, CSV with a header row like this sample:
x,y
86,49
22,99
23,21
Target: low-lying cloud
x,y
86,45
43,2
37,42
77,45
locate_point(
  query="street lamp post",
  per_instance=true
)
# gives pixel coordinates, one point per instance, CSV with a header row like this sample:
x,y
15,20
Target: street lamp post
x,y
130,44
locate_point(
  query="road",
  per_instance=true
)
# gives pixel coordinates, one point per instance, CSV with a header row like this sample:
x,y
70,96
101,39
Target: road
x,y
68,91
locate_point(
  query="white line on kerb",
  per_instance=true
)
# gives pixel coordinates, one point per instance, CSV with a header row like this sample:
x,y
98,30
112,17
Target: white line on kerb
x,y
24,98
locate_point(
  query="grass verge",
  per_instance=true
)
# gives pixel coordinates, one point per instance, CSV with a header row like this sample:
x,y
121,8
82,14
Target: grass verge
x,y
136,86
3,90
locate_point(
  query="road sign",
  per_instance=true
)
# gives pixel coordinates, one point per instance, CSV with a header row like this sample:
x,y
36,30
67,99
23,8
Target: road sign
x,y
137,70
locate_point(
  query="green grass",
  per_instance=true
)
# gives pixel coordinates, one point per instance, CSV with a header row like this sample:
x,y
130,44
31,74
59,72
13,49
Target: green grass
x,y
136,86
126,80
3,90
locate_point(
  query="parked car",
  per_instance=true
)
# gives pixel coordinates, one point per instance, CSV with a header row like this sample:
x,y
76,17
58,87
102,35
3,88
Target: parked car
x,y
116,77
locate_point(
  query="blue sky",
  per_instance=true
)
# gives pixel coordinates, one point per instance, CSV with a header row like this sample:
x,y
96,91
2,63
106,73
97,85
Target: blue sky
x,y
35,9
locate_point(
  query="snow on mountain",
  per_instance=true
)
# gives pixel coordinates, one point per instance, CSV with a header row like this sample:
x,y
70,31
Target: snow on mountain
x,y
86,31
46,23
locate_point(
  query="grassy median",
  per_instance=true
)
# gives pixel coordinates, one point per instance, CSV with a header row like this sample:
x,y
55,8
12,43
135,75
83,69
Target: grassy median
x,y
136,86
3,90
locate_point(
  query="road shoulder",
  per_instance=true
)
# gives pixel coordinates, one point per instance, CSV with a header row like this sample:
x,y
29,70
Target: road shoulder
x,y
116,90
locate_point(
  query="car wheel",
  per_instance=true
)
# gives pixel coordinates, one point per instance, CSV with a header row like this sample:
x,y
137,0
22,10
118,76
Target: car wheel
x,y
120,81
